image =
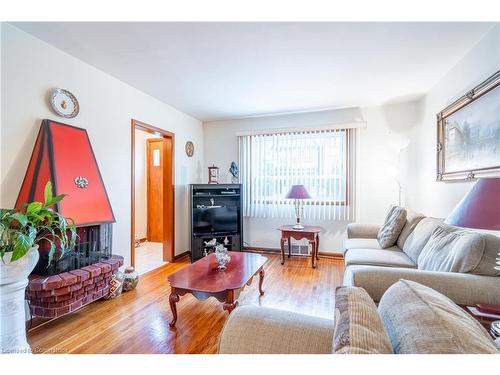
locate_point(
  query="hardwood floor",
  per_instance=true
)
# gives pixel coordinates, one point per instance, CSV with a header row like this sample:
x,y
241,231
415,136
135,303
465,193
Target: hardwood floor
x,y
137,321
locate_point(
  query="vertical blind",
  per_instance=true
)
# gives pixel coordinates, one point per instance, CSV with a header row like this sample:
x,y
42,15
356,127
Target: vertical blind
x,y
322,161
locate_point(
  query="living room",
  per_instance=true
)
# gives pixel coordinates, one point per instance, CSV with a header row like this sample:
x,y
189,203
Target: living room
x,y
319,187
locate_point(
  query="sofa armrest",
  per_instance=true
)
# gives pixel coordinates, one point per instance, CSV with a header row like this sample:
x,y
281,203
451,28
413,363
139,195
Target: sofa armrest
x,y
261,330
461,288
357,230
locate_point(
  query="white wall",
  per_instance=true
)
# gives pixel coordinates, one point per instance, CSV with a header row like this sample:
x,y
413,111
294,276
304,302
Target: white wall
x,y
30,68
399,143
387,130
425,193
141,190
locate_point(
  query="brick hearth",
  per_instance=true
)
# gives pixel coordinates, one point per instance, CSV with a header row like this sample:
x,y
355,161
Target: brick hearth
x,y
54,296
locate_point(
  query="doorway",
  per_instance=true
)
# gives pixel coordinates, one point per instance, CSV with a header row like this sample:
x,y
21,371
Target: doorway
x,y
152,198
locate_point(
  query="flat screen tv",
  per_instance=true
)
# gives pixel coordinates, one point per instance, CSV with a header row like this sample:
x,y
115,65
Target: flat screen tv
x,y
216,220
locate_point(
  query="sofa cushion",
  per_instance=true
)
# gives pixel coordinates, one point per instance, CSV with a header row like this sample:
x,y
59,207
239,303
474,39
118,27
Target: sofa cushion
x,y
419,237
358,328
412,219
364,243
491,253
486,265
373,257
419,320
390,230
453,249
263,330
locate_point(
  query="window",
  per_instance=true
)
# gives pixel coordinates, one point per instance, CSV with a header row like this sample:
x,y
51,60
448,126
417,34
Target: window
x,y
320,160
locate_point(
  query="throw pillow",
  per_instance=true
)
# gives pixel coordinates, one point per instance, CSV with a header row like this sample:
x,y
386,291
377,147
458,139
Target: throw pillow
x,y
389,212
358,328
420,320
390,230
451,250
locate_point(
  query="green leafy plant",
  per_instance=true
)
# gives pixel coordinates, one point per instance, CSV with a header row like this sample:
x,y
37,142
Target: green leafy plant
x,y
22,229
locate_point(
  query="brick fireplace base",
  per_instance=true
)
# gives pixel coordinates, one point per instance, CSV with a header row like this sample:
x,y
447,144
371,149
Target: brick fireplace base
x,y
54,296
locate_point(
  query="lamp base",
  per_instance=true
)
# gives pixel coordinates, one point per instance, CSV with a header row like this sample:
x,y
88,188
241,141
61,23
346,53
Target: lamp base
x,y
298,226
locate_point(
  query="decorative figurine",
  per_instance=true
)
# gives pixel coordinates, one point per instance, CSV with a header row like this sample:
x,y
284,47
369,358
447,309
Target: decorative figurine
x,y
213,175
212,242
234,172
209,245
222,257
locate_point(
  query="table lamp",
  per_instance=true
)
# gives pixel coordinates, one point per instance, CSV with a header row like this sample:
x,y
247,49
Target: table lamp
x,y
480,208
298,192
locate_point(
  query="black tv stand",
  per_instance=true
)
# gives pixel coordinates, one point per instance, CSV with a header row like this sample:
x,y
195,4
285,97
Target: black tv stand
x,y
212,206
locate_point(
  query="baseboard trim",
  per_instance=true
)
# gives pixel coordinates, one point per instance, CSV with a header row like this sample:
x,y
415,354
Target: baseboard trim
x,y
37,322
252,249
181,255
332,255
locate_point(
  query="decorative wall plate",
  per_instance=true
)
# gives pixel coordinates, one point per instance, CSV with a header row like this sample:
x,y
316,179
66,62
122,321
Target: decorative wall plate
x,y
64,103
189,148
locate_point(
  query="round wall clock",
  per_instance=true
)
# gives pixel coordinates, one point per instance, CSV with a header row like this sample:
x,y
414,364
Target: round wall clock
x,y
64,103
189,148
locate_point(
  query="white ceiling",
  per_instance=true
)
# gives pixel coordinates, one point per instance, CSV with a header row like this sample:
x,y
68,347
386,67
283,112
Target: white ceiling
x,y
229,70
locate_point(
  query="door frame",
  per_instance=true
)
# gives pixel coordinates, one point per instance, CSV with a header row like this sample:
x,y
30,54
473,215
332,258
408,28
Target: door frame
x,y
168,254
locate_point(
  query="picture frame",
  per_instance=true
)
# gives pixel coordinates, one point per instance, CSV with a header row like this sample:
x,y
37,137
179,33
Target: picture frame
x,y
468,134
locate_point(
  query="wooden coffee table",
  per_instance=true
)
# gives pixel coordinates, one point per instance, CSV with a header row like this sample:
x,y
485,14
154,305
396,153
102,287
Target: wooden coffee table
x,y
202,279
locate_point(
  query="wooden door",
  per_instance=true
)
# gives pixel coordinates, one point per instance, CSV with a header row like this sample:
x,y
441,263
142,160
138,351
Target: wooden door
x,y
155,186
160,193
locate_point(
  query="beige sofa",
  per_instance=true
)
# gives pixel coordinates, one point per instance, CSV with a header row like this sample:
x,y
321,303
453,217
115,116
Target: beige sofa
x,y
410,319
375,269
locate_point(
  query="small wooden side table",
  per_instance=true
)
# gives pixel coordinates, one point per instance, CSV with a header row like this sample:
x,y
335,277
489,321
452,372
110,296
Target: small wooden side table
x,y
310,233
483,320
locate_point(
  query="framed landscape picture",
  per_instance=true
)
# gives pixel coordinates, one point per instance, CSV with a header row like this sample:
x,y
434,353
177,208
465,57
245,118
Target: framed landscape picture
x,y
468,130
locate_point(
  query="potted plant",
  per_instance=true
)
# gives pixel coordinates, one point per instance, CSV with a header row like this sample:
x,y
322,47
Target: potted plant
x,y
20,232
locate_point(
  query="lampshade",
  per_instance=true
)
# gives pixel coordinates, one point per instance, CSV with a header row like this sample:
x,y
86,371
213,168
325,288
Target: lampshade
x,y
480,208
298,192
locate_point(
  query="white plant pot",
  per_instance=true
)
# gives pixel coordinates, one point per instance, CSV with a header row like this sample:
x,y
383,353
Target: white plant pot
x,y
13,282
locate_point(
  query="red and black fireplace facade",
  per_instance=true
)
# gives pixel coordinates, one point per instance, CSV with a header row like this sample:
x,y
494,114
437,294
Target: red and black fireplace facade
x,y
63,155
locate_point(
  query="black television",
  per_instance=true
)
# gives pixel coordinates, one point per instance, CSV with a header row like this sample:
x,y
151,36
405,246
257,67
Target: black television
x,y
215,220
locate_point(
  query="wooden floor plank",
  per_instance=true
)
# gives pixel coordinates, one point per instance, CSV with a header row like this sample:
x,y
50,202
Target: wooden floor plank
x,y
137,321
